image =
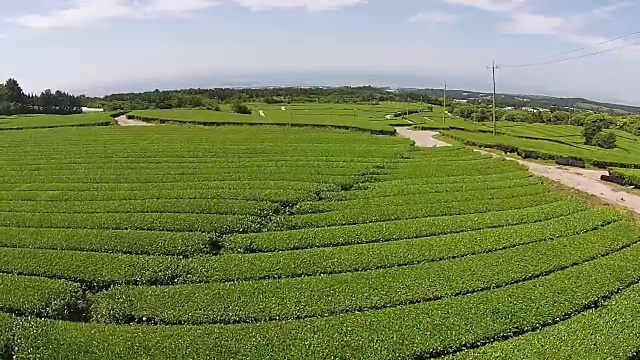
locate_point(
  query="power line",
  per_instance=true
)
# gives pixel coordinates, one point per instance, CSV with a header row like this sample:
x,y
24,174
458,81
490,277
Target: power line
x,y
599,52
594,45
494,67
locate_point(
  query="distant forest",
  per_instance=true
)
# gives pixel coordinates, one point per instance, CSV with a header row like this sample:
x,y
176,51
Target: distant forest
x,y
210,98
14,101
475,106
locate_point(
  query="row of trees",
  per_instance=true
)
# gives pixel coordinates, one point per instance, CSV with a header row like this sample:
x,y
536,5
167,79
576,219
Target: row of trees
x,y
210,98
483,113
14,101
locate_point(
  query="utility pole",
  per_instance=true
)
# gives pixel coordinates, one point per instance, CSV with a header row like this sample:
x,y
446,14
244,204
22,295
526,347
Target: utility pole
x,y
444,103
493,68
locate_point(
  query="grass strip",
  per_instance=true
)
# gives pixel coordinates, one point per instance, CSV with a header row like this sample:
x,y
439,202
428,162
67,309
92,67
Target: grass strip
x,y
7,333
99,195
177,206
427,329
162,186
387,212
424,199
212,171
606,333
153,178
100,270
332,260
390,189
347,293
32,296
393,230
109,241
92,270
115,221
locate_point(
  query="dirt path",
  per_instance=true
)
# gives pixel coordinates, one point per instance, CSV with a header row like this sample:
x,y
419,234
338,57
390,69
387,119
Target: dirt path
x,y
123,121
422,138
584,180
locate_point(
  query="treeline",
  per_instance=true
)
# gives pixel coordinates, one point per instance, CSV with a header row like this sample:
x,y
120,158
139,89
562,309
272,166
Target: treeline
x,y
481,113
210,98
14,101
476,110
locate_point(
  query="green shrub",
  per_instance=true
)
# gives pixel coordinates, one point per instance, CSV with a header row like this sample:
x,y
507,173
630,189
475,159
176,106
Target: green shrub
x,y
590,131
631,177
241,108
605,140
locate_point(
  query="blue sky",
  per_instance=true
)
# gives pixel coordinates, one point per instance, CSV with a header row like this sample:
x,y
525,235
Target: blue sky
x,y
93,44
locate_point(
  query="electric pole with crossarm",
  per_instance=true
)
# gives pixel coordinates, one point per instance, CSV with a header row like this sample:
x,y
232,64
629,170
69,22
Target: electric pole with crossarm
x,y
444,104
493,68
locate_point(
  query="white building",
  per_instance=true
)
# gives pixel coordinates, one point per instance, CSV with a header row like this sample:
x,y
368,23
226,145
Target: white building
x,y
91,110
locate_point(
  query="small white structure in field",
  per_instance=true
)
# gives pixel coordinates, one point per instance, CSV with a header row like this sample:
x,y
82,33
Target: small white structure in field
x,y
91,110
389,117
262,114
283,108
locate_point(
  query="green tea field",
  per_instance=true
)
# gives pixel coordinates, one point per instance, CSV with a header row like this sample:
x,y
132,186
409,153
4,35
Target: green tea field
x,y
548,141
53,121
374,118
288,242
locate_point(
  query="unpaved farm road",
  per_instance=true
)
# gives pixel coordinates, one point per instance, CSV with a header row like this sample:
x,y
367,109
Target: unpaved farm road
x,y
123,121
584,180
422,138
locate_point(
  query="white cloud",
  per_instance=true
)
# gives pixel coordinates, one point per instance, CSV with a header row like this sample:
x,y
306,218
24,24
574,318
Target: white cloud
x,y
179,6
522,20
433,17
491,5
86,12
526,23
310,5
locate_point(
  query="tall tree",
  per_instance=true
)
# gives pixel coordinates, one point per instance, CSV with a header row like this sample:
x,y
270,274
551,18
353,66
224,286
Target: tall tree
x,y
13,91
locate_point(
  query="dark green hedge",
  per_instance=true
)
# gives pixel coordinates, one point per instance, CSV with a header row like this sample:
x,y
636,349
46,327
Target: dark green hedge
x,y
389,132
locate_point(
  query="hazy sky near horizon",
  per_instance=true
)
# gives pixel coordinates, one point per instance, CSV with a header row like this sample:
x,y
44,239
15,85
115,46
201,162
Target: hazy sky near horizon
x,y
84,44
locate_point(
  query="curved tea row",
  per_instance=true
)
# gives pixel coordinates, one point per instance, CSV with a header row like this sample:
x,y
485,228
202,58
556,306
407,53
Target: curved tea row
x,y
265,242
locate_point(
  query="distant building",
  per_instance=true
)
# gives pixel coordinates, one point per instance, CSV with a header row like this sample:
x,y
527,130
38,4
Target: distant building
x,y
91,110
509,108
460,101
